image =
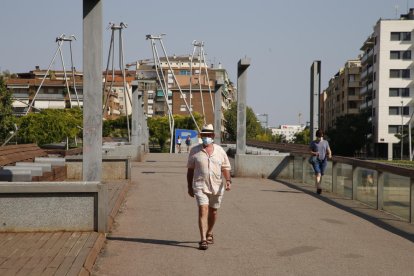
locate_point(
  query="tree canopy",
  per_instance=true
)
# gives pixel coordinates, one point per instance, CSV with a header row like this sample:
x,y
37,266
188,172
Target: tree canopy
x,y
349,134
50,126
6,111
253,127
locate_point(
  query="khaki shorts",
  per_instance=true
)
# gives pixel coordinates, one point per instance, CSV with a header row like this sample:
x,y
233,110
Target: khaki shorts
x,y
212,201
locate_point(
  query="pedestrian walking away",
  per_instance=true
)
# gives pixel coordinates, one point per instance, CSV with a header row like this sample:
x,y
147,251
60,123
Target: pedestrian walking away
x,y
188,143
179,144
207,167
320,152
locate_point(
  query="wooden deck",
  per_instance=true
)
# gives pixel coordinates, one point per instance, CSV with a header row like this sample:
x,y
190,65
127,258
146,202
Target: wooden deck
x,y
57,253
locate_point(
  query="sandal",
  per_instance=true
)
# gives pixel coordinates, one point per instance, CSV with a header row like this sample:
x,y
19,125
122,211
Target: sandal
x,y
210,238
203,245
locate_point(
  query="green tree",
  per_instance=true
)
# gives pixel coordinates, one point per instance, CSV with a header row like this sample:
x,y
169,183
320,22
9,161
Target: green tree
x,y
50,126
6,110
253,127
349,134
159,129
302,137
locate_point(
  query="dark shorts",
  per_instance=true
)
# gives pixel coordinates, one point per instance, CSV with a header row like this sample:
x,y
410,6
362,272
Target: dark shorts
x,y
319,166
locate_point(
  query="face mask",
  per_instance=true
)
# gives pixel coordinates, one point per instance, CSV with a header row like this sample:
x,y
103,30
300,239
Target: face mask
x,y
207,140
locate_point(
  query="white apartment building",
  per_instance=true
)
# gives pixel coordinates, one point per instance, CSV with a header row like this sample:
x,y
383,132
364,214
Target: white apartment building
x,y
387,82
288,131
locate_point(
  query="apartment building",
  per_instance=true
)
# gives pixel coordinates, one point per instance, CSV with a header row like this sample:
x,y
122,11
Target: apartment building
x,y
180,81
342,96
58,90
387,82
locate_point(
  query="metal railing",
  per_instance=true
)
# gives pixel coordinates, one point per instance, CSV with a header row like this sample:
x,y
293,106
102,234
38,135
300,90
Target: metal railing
x,y
379,185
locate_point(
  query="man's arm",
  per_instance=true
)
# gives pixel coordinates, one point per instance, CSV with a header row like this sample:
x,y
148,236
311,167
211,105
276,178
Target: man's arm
x,y
190,175
227,177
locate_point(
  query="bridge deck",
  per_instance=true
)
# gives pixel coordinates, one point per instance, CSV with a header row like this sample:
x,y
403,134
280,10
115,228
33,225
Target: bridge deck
x,y
264,228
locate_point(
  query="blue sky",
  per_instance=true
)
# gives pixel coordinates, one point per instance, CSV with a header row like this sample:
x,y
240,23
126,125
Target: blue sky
x,y
282,38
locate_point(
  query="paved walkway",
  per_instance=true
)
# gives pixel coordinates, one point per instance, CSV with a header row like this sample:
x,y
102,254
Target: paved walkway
x,y
264,228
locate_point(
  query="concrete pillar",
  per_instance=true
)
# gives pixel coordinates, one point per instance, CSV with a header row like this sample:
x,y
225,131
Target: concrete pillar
x,y
92,90
135,120
380,190
315,91
390,151
242,66
218,99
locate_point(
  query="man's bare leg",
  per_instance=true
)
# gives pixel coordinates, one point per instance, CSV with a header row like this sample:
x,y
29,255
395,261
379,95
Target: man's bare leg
x,y
212,217
203,221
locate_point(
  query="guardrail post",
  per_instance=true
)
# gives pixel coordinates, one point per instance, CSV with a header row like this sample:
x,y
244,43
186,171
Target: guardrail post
x,y
354,182
334,177
303,169
380,191
412,200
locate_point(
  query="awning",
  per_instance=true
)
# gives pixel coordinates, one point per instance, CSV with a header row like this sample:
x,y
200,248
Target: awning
x,y
21,103
160,93
57,104
41,104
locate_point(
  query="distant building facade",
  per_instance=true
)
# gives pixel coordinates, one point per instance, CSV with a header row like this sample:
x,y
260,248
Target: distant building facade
x,y
57,92
342,96
179,82
288,131
387,82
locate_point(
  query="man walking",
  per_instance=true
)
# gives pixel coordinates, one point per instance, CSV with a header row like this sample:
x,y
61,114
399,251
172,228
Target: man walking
x,y
207,165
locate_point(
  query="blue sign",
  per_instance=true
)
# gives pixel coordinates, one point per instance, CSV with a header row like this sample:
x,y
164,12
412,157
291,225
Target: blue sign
x,y
183,134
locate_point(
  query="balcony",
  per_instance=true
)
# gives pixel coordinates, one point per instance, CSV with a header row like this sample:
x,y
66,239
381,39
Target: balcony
x,y
355,84
367,58
50,96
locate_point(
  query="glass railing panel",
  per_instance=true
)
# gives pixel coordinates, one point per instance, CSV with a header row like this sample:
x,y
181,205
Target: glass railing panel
x,y
396,195
366,181
309,174
297,168
344,180
327,178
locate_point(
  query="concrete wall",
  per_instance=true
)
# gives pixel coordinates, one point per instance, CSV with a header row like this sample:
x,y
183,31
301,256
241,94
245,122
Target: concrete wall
x,y
113,168
53,206
263,166
133,152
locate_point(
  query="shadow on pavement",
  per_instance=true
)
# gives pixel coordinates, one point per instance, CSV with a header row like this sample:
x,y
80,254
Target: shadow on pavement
x,y
154,241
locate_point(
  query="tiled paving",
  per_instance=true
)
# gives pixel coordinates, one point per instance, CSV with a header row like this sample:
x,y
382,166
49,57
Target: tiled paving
x,y
56,253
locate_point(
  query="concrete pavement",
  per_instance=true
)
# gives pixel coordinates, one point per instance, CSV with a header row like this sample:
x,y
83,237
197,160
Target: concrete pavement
x,y
264,228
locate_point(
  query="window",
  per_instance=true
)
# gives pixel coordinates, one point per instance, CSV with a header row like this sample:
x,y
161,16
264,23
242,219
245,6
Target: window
x,y
399,92
352,104
394,92
405,92
400,36
406,110
395,36
351,91
394,73
394,110
405,36
375,58
405,73
150,96
394,54
392,129
352,78
400,73
406,55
